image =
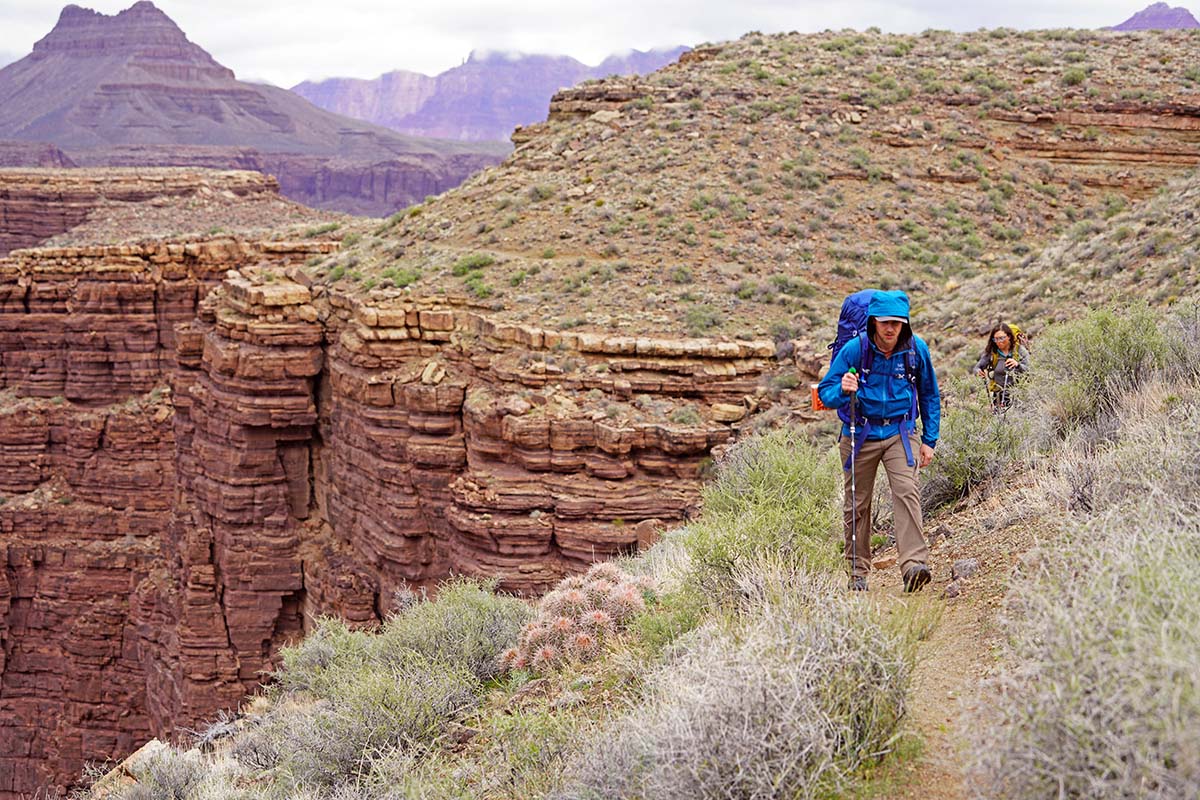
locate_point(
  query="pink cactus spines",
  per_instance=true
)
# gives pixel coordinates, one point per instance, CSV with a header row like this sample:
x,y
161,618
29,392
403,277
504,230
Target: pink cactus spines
x,y
562,626
534,634
509,657
584,646
624,602
552,603
545,657
575,602
606,571
572,582
597,590
597,621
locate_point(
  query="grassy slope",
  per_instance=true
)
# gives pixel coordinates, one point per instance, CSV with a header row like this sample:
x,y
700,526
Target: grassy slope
x,y
742,195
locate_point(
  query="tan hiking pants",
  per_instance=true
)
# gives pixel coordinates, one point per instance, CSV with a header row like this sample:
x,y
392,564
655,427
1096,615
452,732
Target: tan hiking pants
x,y
906,501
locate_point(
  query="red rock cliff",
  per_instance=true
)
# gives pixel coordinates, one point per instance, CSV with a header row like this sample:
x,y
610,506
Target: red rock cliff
x,y
188,480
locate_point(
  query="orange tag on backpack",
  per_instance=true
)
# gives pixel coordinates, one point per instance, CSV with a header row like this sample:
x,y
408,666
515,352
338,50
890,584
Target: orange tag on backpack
x,y
817,405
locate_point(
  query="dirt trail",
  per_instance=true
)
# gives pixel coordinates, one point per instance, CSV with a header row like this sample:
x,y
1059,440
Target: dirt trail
x,y
959,653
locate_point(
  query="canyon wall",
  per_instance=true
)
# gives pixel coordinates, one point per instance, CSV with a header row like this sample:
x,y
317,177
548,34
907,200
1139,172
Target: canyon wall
x,y
87,497
190,478
37,204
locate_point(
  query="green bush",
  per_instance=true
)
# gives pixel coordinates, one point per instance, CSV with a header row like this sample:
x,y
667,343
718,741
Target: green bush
x,y
314,665
1073,76
1081,367
471,263
468,625
774,493
371,712
975,447
700,319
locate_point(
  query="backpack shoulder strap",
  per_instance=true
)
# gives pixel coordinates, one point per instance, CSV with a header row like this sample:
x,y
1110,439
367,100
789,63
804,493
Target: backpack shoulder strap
x,y
866,354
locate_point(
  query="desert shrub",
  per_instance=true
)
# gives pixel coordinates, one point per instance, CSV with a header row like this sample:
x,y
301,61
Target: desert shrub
x,y
775,492
472,262
172,774
975,446
1082,366
1099,472
467,625
523,757
368,713
315,664
686,415
1182,331
786,701
1101,697
168,775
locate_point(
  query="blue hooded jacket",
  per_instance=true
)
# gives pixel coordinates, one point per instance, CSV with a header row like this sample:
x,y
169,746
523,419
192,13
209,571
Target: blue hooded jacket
x,y
886,394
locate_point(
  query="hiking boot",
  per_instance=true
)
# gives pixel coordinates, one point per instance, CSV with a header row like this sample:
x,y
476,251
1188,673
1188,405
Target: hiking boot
x,y
858,584
916,577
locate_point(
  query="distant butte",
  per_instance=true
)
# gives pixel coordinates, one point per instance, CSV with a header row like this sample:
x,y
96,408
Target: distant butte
x,y
131,90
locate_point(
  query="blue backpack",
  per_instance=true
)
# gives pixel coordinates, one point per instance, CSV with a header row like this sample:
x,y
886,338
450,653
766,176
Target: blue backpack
x,y
852,324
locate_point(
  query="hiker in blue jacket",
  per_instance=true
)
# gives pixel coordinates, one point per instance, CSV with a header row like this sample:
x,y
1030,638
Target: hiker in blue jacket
x,y
895,384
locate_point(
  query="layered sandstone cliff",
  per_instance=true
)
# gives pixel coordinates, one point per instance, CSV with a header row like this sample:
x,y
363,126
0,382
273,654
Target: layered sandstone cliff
x,y
201,477
87,496
37,204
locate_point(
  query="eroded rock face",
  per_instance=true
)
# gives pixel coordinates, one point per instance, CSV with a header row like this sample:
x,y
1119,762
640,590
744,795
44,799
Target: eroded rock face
x,y
308,454
100,643
36,204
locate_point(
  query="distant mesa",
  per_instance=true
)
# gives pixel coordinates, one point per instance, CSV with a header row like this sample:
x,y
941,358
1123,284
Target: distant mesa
x,y
132,90
483,99
1158,17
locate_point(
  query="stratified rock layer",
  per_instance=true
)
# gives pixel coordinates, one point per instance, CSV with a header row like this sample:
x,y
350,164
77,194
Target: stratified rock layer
x,y
95,634
36,204
204,475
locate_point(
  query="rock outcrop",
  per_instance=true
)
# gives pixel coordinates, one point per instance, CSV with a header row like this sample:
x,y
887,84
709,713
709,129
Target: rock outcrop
x,y
88,485
37,204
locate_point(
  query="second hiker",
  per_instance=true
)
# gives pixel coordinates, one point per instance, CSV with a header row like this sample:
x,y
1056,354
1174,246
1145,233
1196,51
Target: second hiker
x,y
1006,359
897,386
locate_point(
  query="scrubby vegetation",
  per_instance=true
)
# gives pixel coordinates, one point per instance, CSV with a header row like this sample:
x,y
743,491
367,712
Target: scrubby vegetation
x,y
727,656
728,660
1099,695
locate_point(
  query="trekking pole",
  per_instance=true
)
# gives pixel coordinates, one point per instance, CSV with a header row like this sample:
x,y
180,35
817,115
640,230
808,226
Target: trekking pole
x,y
853,483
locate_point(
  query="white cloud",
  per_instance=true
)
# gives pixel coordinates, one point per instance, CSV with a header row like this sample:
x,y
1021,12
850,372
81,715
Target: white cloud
x,y
288,42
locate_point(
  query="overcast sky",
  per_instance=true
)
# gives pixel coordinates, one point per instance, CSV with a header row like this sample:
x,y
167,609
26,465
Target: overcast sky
x,y
287,42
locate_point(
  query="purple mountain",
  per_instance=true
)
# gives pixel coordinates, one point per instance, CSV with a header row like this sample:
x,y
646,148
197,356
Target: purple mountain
x,y
1158,17
132,90
480,100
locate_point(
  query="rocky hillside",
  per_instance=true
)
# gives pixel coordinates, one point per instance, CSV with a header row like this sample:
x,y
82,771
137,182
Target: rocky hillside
x,y
484,98
742,192
131,90
527,373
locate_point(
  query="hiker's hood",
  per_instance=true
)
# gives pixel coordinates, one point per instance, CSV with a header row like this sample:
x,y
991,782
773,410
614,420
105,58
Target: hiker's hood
x,y
889,304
